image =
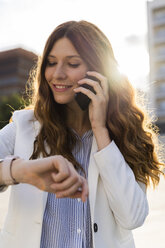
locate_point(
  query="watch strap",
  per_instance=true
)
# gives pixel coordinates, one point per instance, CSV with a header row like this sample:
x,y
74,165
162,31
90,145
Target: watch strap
x,y
6,170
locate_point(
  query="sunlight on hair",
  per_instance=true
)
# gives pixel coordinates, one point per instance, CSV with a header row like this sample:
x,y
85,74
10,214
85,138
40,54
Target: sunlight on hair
x,y
121,70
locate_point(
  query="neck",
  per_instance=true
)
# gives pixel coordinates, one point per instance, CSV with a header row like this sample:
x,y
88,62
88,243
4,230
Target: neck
x,y
78,119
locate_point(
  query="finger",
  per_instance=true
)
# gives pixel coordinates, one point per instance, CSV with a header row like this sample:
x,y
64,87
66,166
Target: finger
x,y
60,176
63,170
72,190
96,85
87,92
96,99
65,184
103,80
85,190
77,194
69,163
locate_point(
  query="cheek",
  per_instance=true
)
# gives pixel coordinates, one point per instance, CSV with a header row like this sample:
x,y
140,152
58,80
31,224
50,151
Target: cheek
x,y
47,74
78,75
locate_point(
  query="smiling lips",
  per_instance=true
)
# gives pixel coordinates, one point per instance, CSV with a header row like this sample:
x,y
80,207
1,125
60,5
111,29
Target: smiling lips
x,y
61,88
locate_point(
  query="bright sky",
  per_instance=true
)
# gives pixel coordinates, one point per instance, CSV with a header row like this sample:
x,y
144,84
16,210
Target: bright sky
x,y
28,23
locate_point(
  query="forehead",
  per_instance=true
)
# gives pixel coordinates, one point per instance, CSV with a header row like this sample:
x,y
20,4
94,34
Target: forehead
x,y
63,47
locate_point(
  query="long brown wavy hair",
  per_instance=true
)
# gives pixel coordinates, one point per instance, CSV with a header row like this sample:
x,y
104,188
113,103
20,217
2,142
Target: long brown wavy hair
x,y
127,124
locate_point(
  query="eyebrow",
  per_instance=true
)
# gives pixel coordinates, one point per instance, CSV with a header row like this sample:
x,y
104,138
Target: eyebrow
x,y
71,56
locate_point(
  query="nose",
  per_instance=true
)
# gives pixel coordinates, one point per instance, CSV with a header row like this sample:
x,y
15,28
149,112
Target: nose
x,y
59,72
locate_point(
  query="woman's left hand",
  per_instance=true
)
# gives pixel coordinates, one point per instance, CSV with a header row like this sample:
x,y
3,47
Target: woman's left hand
x,y
99,101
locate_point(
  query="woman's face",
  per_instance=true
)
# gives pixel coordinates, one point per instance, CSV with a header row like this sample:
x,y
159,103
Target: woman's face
x,y
64,69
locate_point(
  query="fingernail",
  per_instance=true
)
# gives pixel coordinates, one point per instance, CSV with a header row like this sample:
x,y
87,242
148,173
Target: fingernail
x,y
80,82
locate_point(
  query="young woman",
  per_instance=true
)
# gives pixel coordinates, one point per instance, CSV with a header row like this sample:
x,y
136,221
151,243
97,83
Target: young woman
x,y
91,167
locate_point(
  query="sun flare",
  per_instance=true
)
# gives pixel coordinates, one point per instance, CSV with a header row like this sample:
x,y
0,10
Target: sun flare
x,y
134,62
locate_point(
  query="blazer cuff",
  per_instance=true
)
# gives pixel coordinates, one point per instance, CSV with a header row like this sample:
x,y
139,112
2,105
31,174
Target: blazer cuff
x,y
112,150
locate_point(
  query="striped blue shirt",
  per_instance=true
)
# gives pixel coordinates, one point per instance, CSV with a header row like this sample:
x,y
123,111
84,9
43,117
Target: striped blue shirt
x,y
67,222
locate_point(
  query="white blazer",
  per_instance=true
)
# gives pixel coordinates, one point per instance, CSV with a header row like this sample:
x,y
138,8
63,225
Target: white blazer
x,y
118,203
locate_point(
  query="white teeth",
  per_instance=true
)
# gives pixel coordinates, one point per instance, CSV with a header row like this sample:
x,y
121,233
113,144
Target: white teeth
x,y
61,87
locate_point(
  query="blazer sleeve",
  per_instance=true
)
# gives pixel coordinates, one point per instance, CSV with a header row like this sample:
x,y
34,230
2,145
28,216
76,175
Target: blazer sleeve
x,y
127,198
7,143
7,140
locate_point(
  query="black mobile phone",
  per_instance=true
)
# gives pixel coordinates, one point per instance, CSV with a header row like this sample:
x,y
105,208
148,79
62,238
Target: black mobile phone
x,y
83,100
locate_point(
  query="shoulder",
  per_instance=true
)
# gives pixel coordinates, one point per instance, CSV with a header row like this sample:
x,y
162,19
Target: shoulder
x,y
23,115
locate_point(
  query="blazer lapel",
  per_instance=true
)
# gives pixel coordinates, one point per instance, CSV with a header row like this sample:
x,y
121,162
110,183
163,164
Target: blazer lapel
x,y
92,178
44,195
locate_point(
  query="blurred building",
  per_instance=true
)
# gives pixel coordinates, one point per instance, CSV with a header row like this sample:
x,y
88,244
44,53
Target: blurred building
x,y
15,66
156,41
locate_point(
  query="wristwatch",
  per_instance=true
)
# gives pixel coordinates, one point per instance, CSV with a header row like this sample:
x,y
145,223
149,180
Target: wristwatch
x,y
6,170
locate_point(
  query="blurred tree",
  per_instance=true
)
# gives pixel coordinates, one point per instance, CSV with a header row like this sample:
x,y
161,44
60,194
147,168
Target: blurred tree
x,y
8,104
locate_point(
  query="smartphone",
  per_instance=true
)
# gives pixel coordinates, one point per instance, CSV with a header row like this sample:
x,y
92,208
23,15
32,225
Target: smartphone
x,y
83,100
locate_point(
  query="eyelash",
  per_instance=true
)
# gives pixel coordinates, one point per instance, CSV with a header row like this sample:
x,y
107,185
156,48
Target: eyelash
x,y
74,65
71,65
51,64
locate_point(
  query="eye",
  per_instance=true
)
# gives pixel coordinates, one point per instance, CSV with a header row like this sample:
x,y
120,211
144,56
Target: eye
x,y
74,65
51,63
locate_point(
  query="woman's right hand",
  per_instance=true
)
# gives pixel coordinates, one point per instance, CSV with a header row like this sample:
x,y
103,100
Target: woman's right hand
x,y
52,174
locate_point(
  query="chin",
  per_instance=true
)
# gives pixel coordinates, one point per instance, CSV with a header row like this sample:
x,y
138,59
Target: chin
x,y
60,100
